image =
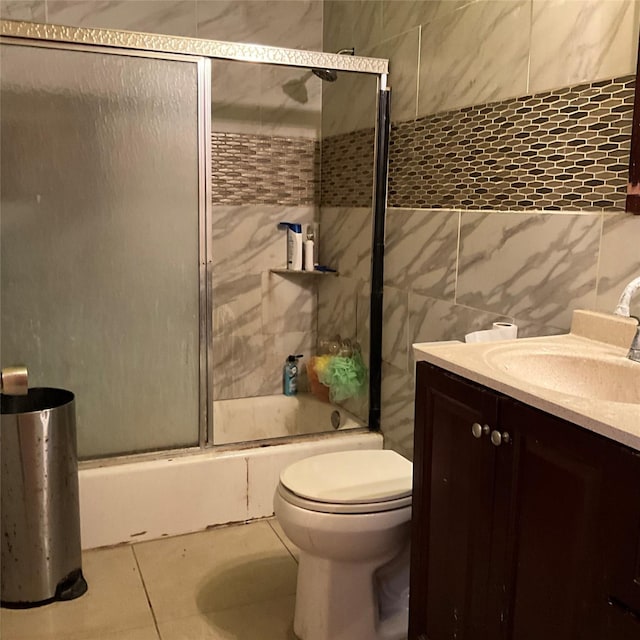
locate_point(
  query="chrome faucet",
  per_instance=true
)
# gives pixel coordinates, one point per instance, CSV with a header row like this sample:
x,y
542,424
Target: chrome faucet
x,y
623,310
634,351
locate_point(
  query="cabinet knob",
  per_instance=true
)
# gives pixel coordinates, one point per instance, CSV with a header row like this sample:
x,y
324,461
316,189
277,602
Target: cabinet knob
x,y
478,430
498,438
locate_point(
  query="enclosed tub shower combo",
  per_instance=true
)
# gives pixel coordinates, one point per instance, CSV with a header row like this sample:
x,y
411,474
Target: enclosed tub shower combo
x,y
143,181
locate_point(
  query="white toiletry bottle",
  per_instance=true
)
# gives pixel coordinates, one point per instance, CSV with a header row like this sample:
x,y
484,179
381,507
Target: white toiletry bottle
x,y
294,244
308,250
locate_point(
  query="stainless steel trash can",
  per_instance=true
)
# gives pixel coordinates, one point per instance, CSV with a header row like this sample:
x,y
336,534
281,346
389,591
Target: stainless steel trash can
x,y
41,553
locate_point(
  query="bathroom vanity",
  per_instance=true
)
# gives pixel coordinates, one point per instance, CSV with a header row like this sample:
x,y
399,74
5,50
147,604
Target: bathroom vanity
x,y
526,500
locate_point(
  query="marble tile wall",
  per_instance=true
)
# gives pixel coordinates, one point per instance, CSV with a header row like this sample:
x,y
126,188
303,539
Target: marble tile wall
x,y
29,10
452,270
596,40
343,302
449,54
259,317
276,23
348,104
265,100
466,56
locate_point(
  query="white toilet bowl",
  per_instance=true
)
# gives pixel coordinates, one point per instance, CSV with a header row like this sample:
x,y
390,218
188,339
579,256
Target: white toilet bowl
x,y
349,513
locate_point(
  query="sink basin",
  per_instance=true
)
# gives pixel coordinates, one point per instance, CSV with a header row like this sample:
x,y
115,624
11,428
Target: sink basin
x,y
607,378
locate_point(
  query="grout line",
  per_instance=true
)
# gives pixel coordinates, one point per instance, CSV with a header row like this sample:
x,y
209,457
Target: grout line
x,y
246,486
418,62
529,47
597,284
146,592
455,286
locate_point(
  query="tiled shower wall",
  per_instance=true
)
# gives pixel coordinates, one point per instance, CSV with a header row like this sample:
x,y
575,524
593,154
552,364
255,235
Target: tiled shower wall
x,y
266,124
493,219
259,317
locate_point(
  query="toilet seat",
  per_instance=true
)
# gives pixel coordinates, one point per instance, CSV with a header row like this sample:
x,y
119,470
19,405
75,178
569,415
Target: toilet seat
x,y
359,481
350,508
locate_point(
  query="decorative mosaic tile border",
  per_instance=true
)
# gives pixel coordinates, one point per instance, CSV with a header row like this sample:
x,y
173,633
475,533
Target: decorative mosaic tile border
x,y
566,149
258,169
347,169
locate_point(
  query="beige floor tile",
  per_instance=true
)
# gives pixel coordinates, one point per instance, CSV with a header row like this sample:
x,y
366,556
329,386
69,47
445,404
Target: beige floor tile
x,y
215,570
277,527
270,620
115,602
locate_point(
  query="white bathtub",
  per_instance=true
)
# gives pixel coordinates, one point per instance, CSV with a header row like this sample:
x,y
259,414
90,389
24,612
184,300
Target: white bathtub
x,y
149,499
279,416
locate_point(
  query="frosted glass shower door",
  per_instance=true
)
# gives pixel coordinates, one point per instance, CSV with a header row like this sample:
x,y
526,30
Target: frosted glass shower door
x,y
99,231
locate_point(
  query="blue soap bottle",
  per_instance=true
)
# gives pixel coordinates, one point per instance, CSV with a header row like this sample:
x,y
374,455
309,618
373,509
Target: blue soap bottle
x,y
290,376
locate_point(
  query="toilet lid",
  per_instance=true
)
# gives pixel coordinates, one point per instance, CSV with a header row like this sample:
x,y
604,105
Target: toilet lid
x,y
349,477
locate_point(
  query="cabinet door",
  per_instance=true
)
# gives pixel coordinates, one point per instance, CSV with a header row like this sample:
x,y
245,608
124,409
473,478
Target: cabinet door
x,y
452,508
621,542
547,556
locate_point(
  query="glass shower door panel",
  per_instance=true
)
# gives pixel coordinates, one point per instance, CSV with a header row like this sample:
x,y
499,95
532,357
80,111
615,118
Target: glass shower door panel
x,y
99,240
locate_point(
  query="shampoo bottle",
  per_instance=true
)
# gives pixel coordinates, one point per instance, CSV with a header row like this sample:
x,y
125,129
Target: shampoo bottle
x,y
309,264
294,244
290,376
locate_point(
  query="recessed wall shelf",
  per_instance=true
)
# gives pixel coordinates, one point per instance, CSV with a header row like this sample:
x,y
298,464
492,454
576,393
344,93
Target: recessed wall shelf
x,y
292,272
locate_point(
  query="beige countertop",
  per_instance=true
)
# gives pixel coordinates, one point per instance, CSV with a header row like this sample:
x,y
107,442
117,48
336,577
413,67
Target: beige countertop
x,y
589,357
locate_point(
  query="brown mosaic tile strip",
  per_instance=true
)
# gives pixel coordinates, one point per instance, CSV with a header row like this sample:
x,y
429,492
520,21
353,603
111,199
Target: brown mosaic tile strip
x,y
566,149
256,169
347,169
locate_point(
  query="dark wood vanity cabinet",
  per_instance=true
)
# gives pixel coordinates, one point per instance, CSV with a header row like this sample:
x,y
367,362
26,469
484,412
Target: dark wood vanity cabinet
x,y
525,526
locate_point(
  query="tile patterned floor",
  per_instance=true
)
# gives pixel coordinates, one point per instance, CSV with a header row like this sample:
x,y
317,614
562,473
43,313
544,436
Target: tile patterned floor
x,y
234,582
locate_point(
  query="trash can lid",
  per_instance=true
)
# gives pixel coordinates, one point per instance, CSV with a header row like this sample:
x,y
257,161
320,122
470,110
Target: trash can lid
x,y
38,399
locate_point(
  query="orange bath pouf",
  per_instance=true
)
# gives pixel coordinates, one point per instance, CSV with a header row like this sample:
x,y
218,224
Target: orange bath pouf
x,y
318,389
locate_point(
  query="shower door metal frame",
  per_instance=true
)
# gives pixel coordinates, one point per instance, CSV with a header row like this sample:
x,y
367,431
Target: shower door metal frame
x,y
203,52
379,209
152,42
203,69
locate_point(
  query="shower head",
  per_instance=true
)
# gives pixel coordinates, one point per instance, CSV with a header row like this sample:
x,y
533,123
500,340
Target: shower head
x,y
296,88
328,75
331,75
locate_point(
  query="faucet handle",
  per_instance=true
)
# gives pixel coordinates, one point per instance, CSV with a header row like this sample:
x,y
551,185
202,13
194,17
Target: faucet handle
x,y
634,351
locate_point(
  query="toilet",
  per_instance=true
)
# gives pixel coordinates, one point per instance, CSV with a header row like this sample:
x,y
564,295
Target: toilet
x,y
349,513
